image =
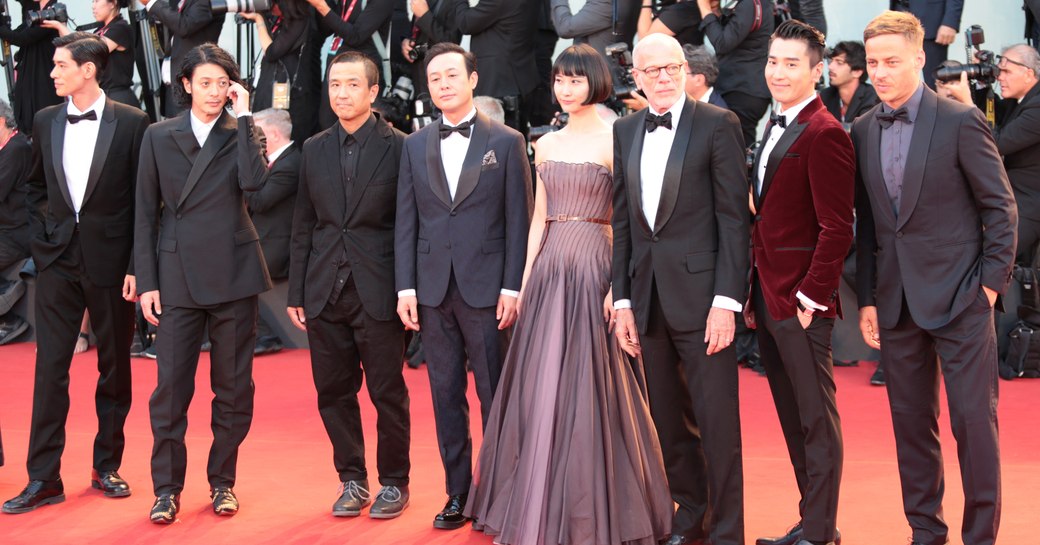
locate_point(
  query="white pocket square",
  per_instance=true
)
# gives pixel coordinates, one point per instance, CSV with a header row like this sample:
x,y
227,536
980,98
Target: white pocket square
x,y
489,159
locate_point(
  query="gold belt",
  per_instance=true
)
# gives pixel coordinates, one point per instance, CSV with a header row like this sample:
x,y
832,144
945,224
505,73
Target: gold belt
x,y
564,217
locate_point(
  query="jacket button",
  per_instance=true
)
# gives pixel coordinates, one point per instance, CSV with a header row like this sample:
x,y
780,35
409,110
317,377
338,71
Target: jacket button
x,y
178,216
454,213
758,217
344,230
899,234
655,239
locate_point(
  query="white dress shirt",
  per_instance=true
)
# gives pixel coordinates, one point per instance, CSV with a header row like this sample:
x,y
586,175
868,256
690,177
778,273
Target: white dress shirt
x,y
774,135
78,150
201,128
707,95
657,146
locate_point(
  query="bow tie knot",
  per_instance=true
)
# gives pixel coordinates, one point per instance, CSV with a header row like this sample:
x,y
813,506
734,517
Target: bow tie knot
x,y
886,119
90,116
654,121
462,129
778,120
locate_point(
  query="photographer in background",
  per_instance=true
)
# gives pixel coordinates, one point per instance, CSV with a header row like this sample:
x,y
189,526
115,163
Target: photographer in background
x,y
940,19
15,164
288,79
118,77
680,18
593,24
433,21
849,94
33,87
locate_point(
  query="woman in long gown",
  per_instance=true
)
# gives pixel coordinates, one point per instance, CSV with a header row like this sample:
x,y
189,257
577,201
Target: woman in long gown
x,y
570,454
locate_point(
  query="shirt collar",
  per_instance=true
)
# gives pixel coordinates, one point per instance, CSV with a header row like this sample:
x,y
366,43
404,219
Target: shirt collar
x,y
197,124
675,110
707,95
912,105
98,107
472,113
792,113
361,134
278,152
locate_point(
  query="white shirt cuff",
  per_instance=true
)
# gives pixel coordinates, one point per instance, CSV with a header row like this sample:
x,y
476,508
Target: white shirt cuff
x,y
728,303
406,293
243,114
511,293
622,303
809,303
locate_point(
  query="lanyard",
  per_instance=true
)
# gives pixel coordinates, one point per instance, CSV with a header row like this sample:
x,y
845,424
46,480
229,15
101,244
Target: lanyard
x,y
346,15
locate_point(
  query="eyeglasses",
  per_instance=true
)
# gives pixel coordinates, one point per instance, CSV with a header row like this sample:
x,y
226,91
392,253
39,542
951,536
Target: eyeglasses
x,y
1003,61
654,71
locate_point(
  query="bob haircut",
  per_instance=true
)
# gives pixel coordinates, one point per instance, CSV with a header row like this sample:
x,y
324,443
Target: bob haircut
x,y
583,60
204,54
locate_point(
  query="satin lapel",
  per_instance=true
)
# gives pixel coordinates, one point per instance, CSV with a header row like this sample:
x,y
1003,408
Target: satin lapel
x,y
913,173
673,168
875,177
330,154
221,133
57,154
435,165
106,132
368,164
633,174
473,164
789,137
185,137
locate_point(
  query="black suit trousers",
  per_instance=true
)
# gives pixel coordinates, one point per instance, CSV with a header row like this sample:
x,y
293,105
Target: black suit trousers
x,y
965,352
749,110
451,333
801,377
344,339
695,406
63,292
934,55
232,332
1028,238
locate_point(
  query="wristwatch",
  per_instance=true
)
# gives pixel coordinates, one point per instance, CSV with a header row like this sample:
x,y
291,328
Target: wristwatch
x,y
805,310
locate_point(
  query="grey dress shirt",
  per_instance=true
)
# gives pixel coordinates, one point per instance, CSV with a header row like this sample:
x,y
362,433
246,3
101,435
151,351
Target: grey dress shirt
x,y
895,146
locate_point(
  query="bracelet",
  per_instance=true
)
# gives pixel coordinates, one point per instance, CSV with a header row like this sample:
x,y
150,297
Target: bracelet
x,y
84,336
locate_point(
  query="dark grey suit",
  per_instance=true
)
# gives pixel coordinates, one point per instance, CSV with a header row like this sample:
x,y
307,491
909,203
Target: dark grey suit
x,y
271,209
1018,140
923,267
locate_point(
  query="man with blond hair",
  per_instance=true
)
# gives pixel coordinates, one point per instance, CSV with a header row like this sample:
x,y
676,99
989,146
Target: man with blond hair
x,y
927,285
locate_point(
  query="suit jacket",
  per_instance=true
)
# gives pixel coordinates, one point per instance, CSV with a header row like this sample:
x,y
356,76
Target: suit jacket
x,y
935,13
1018,140
106,218
329,230
863,99
502,38
480,236
803,227
698,245
956,226
742,42
593,23
271,208
15,164
195,241
715,99
190,26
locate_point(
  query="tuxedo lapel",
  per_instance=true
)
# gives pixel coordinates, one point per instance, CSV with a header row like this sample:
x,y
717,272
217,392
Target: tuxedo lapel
x,y
472,165
435,165
875,178
185,137
106,132
633,174
784,144
913,174
57,153
368,164
218,136
674,166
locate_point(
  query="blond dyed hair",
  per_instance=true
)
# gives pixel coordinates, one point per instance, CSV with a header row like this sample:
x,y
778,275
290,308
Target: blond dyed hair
x,y
896,22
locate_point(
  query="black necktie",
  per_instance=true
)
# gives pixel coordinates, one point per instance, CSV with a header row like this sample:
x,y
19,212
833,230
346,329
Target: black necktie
x,y
654,121
887,119
778,120
461,128
91,116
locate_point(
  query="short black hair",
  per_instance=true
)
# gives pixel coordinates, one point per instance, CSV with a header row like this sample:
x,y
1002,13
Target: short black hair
x,y
793,29
855,56
204,54
443,48
371,70
583,60
84,47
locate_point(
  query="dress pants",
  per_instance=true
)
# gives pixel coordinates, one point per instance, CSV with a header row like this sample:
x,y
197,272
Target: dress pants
x,y
695,406
1028,237
749,110
965,352
934,55
345,340
451,332
232,332
63,292
801,377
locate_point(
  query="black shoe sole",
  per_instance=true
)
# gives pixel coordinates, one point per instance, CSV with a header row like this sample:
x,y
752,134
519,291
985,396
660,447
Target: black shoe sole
x,y
108,493
446,525
347,514
226,512
17,511
386,516
164,521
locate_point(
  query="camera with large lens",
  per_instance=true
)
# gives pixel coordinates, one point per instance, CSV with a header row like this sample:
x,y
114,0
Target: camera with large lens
x,y
58,12
418,51
220,7
558,122
619,59
984,71
396,103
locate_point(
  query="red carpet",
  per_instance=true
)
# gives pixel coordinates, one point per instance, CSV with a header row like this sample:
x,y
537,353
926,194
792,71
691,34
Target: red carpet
x,y
287,483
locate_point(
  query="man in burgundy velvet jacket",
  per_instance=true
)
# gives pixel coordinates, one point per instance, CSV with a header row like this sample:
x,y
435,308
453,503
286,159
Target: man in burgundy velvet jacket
x,y
802,188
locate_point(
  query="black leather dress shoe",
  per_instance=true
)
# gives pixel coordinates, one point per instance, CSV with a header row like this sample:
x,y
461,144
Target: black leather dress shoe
x,y
390,502
36,494
792,537
353,497
165,508
224,501
110,483
807,542
451,517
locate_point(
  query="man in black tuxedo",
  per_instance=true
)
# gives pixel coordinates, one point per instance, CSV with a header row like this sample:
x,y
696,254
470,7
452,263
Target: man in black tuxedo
x,y
190,23
941,20
341,287
81,209
680,275
200,269
464,203
271,208
849,94
935,245
15,165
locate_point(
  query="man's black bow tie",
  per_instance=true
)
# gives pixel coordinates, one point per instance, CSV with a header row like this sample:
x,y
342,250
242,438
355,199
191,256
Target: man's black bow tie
x,y
887,119
778,120
462,128
654,121
90,116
